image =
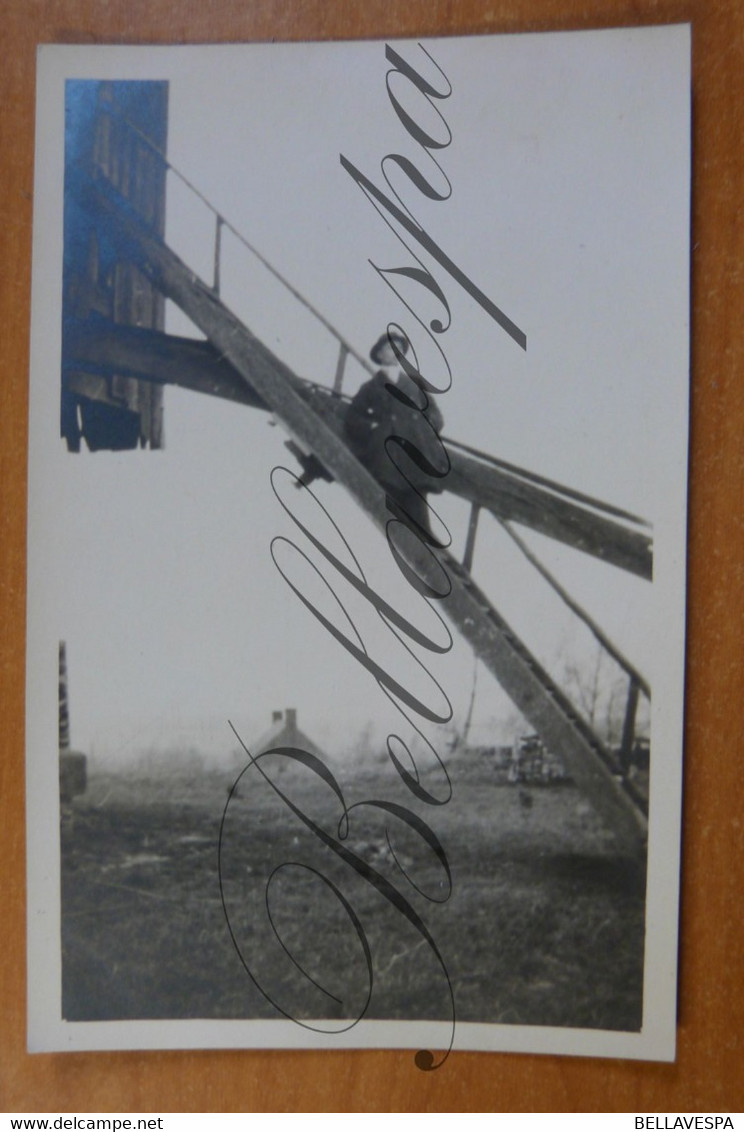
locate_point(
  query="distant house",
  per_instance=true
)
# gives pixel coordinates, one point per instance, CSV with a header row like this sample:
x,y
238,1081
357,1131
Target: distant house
x,y
284,732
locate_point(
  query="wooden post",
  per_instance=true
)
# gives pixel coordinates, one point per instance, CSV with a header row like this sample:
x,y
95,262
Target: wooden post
x,y
64,712
340,366
626,747
217,252
467,558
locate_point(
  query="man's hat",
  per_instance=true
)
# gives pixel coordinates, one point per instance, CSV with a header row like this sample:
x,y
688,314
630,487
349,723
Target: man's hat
x,y
378,351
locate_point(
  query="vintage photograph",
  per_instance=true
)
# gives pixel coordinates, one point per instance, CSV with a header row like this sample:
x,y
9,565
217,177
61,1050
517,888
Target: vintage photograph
x,y
357,504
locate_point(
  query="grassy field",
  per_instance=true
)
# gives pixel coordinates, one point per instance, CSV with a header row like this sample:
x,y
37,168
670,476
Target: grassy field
x,y
544,924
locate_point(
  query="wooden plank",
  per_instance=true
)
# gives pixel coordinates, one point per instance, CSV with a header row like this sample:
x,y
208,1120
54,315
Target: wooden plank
x,y
508,497
150,355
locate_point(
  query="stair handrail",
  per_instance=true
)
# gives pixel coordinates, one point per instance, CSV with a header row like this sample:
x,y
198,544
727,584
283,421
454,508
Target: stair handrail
x,y
223,221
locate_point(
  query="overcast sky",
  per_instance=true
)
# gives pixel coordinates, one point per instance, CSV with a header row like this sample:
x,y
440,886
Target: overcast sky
x,y
568,209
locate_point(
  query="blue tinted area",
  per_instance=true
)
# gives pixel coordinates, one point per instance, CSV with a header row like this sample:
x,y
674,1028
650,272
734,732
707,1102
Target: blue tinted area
x,y
144,105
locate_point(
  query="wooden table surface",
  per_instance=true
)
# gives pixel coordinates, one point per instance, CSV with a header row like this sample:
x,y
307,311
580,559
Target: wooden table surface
x,y
707,1075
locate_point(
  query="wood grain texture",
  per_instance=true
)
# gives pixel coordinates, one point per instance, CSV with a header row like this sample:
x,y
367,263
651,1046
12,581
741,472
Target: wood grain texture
x,y
707,1075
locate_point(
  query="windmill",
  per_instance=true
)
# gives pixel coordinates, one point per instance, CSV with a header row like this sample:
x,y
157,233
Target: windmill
x,y
119,270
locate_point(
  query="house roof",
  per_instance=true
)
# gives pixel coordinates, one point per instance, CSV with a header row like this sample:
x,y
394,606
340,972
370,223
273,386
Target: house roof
x,y
284,732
